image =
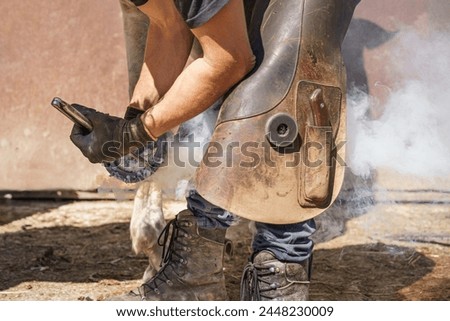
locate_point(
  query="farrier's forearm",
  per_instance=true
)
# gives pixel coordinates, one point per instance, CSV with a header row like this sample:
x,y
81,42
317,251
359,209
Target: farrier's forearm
x,y
163,63
197,88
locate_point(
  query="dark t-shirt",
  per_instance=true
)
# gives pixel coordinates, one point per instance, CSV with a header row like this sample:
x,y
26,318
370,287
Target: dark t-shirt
x,y
194,12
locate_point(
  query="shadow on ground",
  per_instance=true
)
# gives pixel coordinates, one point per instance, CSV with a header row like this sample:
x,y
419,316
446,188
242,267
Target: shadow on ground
x,y
68,254
85,255
13,210
370,272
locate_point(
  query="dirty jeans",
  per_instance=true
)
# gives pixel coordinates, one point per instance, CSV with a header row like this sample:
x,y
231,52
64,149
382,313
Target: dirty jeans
x,y
288,242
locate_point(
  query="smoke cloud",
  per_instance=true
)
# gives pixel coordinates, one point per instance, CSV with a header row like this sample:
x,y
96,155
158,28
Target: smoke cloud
x,y
412,136
185,152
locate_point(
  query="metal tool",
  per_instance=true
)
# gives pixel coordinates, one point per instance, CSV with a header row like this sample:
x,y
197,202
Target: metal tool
x,y
70,112
131,168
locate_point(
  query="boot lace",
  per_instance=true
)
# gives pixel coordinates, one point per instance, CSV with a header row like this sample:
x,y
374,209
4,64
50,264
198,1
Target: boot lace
x,y
255,284
254,276
171,239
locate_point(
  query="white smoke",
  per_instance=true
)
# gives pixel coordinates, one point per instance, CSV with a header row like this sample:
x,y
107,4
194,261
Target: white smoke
x,y
176,177
184,154
412,136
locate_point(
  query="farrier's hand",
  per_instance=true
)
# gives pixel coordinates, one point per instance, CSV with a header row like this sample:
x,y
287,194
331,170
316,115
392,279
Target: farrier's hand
x,y
132,113
111,137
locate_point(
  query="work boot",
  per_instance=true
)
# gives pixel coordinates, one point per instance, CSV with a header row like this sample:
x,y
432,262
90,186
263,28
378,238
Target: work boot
x,y
192,265
266,278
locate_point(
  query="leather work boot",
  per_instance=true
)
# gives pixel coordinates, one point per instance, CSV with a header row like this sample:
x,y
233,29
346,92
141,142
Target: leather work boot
x,y
267,278
192,265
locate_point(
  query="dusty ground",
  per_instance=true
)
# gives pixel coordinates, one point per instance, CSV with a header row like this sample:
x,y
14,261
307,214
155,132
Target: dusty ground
x,y
52,250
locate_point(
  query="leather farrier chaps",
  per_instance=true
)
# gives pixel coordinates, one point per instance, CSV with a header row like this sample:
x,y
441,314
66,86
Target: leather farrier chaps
x,y
278,149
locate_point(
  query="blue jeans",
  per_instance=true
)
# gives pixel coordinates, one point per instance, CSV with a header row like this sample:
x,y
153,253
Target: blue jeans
x,y
288,242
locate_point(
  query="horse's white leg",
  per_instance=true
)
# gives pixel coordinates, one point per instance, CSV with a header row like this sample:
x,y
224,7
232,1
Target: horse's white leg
x,y
147,223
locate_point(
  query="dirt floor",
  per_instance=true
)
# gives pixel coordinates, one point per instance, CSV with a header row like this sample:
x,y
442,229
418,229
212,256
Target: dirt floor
x,y
52,250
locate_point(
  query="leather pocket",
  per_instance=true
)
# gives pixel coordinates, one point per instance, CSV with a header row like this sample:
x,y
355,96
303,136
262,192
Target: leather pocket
x,y
316,168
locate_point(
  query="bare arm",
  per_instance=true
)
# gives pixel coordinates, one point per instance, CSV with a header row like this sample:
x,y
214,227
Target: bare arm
x,y
227,59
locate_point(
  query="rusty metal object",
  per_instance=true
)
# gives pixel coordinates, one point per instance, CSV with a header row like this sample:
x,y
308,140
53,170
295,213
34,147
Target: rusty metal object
x,y
132,168
71,113
299,73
